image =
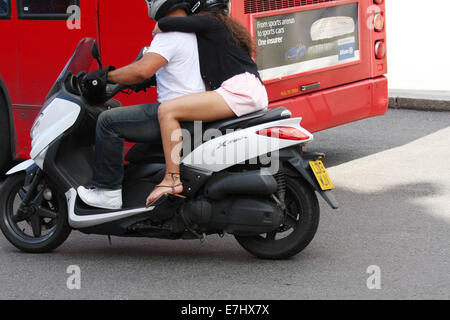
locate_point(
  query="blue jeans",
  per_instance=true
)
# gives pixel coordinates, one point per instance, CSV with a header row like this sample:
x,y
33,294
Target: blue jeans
x,y
114,127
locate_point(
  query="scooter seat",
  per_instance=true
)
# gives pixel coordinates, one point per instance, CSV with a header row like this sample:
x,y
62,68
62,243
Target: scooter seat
x,y
250,120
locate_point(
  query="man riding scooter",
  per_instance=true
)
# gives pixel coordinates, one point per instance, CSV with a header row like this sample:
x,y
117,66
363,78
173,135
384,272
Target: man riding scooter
x,y
173,57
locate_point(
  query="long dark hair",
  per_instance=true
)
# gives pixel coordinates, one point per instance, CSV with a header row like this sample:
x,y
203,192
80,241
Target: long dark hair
x,y
238,32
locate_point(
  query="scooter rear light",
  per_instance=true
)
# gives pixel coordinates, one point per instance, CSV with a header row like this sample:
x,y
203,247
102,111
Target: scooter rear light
x,y
284,133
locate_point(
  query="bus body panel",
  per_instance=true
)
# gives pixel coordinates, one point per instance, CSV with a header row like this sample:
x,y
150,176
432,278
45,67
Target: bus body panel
x,y
8,55
8,73
335,106
40,49
123,33
8,70
43,49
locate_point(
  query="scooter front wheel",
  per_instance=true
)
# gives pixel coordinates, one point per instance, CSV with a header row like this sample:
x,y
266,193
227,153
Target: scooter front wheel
x,y
300,226
41,225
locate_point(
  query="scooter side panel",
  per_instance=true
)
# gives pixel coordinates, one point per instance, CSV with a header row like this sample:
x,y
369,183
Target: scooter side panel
x,y
228,150
56,118
80,222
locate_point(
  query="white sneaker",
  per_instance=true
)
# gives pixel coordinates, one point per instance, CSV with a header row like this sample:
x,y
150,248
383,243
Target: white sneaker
x,y
101,198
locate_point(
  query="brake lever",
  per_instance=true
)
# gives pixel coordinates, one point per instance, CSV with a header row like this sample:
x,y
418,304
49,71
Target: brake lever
x,y
113,89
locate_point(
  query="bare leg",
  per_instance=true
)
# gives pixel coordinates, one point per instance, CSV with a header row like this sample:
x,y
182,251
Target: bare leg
x,y
208,107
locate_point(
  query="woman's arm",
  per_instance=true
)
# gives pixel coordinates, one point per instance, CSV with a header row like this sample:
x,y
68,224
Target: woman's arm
x,y
190,24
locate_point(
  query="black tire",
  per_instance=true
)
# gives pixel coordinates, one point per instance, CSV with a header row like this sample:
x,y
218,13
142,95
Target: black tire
x,y
302,202
58,227
5,138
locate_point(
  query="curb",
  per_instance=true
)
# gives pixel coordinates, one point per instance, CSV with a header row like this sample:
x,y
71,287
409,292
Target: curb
x,y
419,100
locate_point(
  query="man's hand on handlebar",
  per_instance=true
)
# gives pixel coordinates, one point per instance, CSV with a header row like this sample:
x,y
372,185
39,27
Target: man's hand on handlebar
x,y
144,85
96,88
93,85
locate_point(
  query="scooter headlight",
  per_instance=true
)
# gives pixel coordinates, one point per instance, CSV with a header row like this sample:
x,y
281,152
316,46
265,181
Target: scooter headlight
x,y
35,128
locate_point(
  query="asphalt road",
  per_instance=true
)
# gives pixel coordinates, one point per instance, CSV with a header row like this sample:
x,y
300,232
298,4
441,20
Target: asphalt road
x,y
392,177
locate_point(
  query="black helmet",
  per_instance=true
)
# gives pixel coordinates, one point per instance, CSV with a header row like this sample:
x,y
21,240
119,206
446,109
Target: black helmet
x,y
222,6
158,9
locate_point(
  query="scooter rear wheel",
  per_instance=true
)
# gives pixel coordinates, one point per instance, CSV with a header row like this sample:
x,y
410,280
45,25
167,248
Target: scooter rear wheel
x,y
42,226
301,223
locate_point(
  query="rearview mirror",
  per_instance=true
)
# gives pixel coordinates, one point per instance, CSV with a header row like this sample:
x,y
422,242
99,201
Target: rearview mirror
x,y
96,54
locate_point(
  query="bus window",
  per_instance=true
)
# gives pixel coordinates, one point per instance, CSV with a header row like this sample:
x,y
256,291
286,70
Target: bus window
x,y
4,8
45,8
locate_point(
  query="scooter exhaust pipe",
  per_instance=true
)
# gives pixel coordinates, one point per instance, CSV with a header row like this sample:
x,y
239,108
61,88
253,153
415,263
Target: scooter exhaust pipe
x,y
248,183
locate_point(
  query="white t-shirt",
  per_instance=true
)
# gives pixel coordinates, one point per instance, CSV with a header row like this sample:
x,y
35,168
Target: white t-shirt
x,y
181,76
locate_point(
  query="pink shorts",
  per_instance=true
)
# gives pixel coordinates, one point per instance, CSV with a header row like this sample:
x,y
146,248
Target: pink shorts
x,y
244,94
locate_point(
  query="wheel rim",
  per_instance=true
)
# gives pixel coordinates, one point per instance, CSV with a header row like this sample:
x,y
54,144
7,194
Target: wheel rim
x,y
38,223
293,218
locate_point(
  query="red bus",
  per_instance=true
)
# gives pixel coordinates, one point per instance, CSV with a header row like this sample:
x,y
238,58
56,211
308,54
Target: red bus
x,y
325,60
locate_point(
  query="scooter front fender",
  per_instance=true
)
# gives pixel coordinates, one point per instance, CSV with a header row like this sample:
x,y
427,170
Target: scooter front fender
x,y
23,166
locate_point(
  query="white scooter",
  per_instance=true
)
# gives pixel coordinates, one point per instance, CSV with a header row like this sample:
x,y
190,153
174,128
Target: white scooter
x,y
230,186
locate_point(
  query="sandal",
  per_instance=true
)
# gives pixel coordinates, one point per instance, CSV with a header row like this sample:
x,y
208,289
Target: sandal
x,y
174,175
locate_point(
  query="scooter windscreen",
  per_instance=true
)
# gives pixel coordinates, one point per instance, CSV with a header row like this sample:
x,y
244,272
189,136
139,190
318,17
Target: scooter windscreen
x,y
81,60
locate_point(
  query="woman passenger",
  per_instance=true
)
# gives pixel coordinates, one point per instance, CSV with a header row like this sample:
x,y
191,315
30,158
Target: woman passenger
x,y
230,74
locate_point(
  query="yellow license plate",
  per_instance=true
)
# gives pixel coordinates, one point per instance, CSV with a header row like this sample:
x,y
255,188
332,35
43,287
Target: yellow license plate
x,y
321,175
